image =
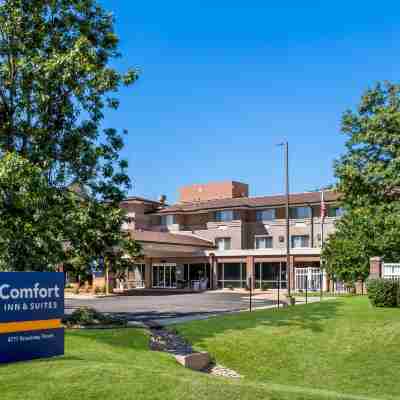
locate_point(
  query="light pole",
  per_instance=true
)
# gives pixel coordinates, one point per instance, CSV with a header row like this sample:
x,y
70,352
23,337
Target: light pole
x,y
285,146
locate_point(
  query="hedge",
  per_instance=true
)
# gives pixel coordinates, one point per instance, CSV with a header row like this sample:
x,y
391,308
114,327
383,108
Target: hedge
x,y
384,292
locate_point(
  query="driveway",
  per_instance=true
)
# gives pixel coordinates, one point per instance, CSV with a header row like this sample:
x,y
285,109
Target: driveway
x,y
165,308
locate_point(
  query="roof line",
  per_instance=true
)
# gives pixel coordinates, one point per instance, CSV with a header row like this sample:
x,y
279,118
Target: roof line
x,y
176,244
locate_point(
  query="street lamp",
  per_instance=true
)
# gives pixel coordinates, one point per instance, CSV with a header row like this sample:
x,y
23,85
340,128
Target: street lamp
x,y
285,146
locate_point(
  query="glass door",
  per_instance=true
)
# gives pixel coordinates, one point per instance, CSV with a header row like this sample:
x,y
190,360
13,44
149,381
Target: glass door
x,y
164,276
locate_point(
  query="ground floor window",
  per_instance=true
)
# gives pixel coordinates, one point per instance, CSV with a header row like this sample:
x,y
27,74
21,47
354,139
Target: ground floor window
x,y
135,276
197,275
164,276
266,275
231,275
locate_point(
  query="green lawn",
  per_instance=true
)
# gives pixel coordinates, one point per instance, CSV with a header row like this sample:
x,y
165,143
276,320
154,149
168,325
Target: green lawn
x,y
307,352
342,345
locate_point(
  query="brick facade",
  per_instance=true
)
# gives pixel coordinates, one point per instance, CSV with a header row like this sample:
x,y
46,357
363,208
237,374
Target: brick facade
x,y
212,191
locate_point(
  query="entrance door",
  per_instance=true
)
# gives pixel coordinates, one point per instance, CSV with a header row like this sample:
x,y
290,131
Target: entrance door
x,y
198,273
164,276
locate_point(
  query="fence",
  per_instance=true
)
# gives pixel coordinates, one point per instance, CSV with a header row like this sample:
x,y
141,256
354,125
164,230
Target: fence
x,y
391,271
308,279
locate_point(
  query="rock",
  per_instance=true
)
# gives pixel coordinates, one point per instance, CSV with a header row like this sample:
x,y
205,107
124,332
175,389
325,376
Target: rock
x,y
219,370
196,361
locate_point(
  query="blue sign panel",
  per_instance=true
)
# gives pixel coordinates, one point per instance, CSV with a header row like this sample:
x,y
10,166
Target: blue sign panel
x,y
22,346
31,296
31,308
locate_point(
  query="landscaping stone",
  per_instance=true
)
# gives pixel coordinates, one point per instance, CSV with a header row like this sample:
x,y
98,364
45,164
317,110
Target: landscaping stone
x,y
196,361
163,340
170,342
219,370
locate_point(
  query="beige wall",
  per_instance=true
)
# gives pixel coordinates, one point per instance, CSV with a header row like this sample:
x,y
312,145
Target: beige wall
x,y
136,211
242,231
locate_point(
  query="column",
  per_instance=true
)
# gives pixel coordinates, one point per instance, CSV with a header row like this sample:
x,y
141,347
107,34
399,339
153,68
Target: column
x,y
213,272
375,267
250,270
147,273
292,273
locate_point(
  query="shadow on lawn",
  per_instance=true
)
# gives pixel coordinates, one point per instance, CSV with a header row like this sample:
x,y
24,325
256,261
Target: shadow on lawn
x,y
127,338
310,317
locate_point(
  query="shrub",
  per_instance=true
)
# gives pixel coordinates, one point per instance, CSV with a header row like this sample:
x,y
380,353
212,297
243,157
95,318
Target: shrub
x,y
90,316
384,292
99,290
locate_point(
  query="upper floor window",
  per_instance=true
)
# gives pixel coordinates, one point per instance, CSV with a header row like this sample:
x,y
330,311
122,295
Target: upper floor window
x,y
168,220
299,241
223,243
300,212
224,216
335,211
266,215
263,242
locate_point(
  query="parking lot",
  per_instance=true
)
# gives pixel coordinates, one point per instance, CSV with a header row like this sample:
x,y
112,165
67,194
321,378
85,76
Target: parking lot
x,y
165,307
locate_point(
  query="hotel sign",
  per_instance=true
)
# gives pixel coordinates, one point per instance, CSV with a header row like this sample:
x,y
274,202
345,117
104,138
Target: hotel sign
x,y
31,308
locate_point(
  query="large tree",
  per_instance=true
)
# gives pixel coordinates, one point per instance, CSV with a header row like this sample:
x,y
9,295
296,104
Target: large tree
x,y
369,179
31,217
55,84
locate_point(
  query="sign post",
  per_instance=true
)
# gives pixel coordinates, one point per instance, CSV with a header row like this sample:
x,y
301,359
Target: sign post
x,y
31,309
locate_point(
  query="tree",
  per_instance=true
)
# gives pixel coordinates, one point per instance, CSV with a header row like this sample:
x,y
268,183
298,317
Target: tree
x,y
368,173
55,85
30,229
369,179
96,233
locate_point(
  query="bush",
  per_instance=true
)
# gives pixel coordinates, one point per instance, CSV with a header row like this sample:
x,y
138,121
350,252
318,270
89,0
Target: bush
x,y
384,292
89,316
100,290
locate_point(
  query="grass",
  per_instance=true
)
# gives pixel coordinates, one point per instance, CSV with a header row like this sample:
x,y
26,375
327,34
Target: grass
x,y
325,294
342,345
340,349
116,364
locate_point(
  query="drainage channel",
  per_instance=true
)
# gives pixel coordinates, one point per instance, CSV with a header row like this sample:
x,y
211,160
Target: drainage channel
x,y
170,342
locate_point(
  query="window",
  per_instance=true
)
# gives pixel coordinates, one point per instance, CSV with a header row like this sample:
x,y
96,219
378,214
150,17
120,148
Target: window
x,y
299,241
223,243
266,275
224,216
263,242
231,275
168,220
335,211
300,212
136,276
265,215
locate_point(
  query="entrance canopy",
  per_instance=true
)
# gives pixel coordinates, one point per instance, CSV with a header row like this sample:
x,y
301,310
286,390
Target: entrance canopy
x,y
165,244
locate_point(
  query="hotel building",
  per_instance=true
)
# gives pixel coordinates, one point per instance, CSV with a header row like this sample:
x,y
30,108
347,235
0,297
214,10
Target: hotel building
x,y
218,237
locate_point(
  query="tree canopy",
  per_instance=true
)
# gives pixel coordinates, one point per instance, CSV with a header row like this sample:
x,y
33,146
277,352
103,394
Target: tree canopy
x,y
56,82
369,178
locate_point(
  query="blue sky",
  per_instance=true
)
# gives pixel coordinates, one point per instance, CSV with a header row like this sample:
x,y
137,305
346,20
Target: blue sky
x,y
222,82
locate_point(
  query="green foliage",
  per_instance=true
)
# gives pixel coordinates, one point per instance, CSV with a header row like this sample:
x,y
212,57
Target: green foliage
x,y
90,316
55,84
369,179
384,292
368,172
31,217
